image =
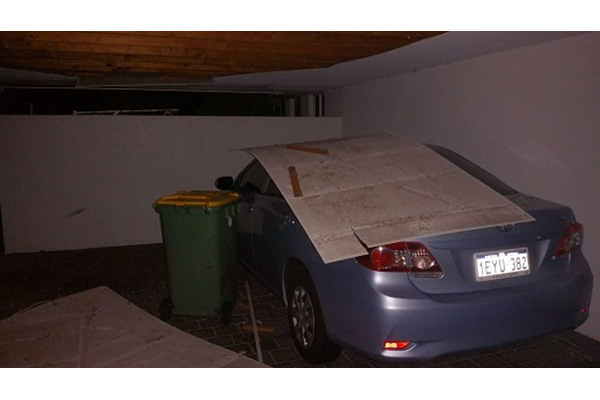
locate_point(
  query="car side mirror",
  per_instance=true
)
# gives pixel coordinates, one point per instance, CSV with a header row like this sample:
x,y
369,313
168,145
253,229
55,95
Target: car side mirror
x,y
224,183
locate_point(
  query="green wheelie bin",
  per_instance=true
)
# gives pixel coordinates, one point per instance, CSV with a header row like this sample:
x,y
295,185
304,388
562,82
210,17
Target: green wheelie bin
x,y
199,237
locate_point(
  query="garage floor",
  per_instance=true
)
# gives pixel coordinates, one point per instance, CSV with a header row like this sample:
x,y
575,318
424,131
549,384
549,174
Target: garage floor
x,y
138,273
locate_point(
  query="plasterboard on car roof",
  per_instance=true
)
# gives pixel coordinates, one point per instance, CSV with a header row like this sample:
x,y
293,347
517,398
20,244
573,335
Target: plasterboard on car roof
x,y
379,189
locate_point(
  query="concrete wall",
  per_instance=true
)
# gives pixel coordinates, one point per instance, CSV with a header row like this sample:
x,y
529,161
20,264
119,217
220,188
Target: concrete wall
x,y
530,115
72,182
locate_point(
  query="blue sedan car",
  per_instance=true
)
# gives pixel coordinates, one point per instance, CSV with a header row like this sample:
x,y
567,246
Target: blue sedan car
x,y
417,300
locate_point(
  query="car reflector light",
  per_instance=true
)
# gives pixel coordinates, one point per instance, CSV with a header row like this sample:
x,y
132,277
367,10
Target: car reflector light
x,y
571,240
382,257
395,345
411,257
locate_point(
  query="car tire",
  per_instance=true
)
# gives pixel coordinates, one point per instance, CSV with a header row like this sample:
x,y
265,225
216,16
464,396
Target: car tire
x,y
305,319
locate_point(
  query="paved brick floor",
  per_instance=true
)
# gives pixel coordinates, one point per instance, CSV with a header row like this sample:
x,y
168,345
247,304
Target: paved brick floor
x,y
139,274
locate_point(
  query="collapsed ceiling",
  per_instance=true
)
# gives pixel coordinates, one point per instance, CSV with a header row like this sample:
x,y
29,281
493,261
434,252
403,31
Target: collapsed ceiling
x,y
290,62
101,59
333,186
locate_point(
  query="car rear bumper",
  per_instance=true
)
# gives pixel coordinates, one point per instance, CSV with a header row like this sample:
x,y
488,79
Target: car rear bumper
x,y
442,324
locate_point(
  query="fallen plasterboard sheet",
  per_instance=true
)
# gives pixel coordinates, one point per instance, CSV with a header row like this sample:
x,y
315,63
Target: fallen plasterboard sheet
x,y
99,328
379,189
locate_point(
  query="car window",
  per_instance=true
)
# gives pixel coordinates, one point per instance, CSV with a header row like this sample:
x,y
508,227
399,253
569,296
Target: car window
x,y
253,178
474,170
273,190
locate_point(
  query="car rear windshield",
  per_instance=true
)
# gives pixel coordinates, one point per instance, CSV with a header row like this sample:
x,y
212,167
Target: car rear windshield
x,y
474,170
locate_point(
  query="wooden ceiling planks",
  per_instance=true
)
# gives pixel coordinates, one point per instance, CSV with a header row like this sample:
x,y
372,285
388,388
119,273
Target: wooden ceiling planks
x,y
190,55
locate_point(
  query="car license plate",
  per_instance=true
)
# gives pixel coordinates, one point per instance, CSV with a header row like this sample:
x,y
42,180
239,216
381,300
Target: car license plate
x,y
501,264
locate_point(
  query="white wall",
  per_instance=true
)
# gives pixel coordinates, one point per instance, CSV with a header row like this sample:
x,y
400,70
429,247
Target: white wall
x,y
531,116
72,182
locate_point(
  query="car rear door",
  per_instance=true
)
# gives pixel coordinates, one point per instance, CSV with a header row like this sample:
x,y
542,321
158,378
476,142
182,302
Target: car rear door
x,y
274,227
249,184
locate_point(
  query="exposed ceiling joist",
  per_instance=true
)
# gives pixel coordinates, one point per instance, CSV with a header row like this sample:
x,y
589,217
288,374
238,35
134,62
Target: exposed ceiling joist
x,y
135,58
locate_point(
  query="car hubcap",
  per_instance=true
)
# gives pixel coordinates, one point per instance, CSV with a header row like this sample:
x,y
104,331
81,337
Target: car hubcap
x,y
303,317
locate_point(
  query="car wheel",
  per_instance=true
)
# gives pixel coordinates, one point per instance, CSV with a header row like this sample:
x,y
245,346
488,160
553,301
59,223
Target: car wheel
x,y
306,319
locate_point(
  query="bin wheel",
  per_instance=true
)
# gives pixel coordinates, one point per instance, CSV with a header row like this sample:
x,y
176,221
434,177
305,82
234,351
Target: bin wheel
x,y
226,314
165,309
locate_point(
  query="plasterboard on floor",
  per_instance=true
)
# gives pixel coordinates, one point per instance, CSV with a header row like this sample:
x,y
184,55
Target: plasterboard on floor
x,y
99,328
379,189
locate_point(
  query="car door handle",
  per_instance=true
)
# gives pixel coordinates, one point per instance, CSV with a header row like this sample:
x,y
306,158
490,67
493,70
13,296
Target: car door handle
x,y
245,208
288,220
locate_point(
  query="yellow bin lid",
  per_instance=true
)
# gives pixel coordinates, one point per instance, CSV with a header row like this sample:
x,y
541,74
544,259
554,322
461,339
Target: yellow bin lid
x,y
198,198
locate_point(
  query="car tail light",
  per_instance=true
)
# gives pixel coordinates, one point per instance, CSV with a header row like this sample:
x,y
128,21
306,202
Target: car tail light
x,y
571,240
395,345
410,257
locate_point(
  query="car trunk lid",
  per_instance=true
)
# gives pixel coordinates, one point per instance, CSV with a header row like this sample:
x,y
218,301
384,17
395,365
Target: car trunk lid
x,y
462,254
